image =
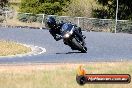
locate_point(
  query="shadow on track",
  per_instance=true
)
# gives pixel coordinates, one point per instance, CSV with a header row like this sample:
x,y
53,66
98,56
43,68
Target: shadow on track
x,y
69,53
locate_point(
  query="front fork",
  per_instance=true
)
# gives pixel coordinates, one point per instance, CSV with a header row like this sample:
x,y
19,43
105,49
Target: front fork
x,y
79,38
67,41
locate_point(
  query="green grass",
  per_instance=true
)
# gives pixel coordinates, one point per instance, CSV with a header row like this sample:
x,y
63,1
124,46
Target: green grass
x,y
59,76
11,48
15,6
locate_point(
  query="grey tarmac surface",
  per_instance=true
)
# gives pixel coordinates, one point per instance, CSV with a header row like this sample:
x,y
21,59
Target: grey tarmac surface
x,y
101,47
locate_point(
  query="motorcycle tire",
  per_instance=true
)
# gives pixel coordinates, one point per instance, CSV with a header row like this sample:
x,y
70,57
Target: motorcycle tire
x,y
79,46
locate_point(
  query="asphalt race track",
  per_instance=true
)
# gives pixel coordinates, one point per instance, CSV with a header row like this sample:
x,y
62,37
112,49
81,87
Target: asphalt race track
x,y
101,47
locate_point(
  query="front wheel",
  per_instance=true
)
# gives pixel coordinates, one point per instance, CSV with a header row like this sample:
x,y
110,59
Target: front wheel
x,y
79,46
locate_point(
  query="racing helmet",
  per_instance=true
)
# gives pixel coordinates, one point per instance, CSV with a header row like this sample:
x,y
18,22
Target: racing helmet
x,y
50,22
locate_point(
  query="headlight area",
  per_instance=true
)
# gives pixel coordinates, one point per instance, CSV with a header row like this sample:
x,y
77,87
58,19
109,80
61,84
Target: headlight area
x,y
67,35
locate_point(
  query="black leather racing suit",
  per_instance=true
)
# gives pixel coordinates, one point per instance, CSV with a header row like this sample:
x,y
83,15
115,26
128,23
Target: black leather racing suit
x,y
56,31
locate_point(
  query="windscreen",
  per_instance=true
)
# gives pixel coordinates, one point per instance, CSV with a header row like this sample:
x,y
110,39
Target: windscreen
x,y
67,27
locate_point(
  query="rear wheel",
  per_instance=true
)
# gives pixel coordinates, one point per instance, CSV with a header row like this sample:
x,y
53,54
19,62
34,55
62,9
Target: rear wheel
x,y
79,46
84,50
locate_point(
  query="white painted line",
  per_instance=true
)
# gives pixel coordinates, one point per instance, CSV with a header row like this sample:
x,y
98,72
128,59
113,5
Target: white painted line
x,y
35,50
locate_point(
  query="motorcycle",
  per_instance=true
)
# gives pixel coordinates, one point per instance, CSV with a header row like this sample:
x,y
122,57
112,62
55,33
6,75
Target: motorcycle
x,y
73,38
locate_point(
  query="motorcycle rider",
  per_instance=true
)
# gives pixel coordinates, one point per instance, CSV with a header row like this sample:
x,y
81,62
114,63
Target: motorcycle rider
x,y
55,29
